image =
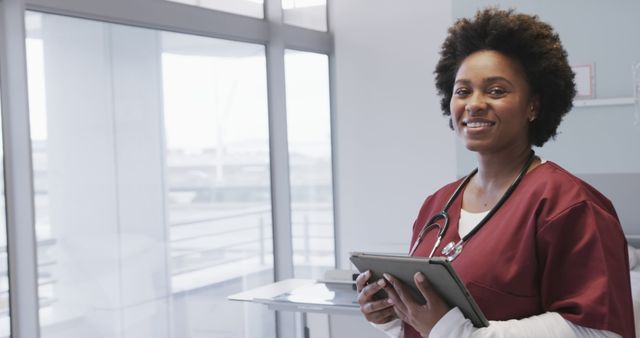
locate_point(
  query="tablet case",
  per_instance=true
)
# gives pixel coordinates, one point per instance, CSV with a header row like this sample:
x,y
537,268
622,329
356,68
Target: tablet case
x,y
438,271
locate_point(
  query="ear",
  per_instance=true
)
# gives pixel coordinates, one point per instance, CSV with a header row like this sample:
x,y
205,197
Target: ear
x,y
534,108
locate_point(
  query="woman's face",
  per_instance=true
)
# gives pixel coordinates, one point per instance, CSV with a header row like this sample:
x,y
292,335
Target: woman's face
x,y
491,105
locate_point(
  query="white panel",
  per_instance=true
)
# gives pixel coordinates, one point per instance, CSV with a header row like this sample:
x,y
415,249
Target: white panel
x,y
18,179
137,99
100,164
81,169
393,145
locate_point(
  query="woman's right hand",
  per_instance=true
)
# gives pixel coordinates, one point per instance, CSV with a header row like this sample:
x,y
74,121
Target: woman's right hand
x,y
376,311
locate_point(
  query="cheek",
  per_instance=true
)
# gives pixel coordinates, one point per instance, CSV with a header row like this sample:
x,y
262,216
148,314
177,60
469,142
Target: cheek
x,y
517,116
457,110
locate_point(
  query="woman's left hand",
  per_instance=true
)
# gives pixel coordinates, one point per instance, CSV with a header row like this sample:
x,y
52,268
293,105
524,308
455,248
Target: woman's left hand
x,y
421,316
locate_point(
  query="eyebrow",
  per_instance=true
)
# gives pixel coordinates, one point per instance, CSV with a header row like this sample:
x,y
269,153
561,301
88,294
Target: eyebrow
x,y
485,80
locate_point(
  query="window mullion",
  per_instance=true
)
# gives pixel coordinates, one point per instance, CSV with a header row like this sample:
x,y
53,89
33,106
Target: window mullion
x,y
18,174
279,160
280,185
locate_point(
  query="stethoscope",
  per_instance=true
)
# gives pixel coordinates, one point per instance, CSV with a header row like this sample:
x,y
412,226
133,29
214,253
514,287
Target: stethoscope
x,y
452,250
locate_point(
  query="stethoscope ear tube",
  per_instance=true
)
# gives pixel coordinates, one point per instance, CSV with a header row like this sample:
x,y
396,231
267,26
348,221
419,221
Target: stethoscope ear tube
x,y
432,222
445,217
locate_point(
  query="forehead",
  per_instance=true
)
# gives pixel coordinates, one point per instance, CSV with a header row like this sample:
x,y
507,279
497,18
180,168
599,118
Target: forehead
x,y
491,64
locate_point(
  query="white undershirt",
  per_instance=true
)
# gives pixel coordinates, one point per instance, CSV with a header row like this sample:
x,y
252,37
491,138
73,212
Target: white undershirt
x,y
454,325
468,220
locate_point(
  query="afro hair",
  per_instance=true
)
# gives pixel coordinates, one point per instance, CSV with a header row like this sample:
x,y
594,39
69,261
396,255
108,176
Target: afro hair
x,y
523,38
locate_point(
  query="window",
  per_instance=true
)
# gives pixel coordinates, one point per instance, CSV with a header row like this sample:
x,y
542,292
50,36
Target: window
x,y
152,180
309,139
311,14
253,8
219,194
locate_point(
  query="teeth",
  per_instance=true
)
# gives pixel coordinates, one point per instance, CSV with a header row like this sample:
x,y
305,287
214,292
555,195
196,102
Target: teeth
x,y
478,124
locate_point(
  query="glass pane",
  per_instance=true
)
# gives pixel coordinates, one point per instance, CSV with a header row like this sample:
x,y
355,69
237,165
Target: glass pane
x,y
253,8
219,194
151,173
5,320
310,14
309,138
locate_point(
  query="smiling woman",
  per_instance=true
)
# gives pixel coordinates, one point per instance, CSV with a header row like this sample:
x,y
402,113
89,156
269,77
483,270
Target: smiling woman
x,y
492,103
527,226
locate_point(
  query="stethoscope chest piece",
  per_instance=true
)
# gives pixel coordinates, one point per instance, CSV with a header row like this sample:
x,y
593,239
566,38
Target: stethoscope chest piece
x,y
452,250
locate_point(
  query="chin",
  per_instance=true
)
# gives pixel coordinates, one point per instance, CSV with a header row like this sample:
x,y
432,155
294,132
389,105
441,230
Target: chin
x,y
474,146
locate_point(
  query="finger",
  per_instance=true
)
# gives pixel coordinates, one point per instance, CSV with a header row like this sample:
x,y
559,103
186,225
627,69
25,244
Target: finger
x,y
424,286
400,289
399,309
362,279
395,299
392,315
382,316
436,305
366,295
376,306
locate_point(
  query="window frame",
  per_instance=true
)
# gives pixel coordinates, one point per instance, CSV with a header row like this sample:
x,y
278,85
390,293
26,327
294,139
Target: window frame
x,y
159,15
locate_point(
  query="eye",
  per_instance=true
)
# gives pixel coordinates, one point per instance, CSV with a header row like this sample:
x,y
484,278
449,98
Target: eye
x,y
497,91
461,91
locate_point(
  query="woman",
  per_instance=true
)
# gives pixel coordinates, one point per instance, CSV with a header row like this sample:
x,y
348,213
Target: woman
x,y
541,252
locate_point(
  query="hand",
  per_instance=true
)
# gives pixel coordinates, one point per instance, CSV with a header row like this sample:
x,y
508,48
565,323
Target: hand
x,y
376,311
421,316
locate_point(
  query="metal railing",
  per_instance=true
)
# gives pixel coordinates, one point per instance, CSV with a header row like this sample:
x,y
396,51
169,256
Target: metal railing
x,y
247,236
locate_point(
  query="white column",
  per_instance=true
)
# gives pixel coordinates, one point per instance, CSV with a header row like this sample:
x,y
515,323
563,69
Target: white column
x,y
144,235
105,173
393,146
17,174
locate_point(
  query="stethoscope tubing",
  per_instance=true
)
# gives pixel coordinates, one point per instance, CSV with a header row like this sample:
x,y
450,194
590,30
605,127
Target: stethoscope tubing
x,y
432,222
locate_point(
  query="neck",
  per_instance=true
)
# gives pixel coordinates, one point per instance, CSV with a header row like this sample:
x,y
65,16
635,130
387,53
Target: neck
x,y
495,171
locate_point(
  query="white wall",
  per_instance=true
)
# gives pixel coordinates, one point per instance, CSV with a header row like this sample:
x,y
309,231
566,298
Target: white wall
x,y
392,145
600,144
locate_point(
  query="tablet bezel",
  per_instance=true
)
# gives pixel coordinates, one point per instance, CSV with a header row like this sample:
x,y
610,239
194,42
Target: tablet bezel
x,y
438,271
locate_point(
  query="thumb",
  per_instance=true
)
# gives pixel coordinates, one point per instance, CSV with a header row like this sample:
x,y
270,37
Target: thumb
x,y
424,286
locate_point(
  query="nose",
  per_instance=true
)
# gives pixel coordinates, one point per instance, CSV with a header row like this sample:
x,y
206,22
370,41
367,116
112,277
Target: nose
x,y
475,104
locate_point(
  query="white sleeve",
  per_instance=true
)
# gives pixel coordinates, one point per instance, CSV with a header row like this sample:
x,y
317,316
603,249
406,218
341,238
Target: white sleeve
x,y
393,329
548,325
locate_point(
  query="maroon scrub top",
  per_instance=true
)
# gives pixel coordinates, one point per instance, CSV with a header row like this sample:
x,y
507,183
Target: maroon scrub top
x,y
556,245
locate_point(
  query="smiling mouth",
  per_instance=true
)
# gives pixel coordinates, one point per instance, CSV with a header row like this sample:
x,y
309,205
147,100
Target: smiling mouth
x,y
477,124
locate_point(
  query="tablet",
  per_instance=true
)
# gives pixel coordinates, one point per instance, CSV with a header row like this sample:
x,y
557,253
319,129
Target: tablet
x,y
438,271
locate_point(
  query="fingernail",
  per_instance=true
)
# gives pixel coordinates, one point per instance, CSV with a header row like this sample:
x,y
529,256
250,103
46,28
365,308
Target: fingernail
x,y
386,276
389,301
381,282
419,277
